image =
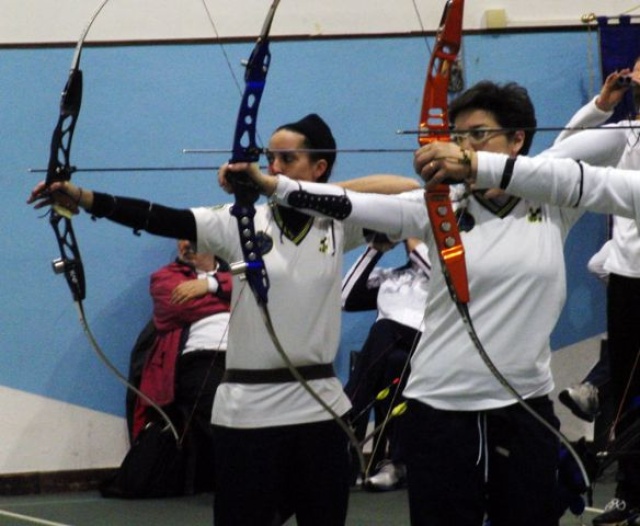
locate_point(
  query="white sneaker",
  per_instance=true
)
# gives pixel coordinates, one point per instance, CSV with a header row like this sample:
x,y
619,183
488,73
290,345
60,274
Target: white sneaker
x,y
617,513
390,476
582,399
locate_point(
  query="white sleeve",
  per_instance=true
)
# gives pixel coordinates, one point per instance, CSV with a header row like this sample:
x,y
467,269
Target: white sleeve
x,y
587,116
419,257
363,265
596,263
564,183
602,146
212,284
399,216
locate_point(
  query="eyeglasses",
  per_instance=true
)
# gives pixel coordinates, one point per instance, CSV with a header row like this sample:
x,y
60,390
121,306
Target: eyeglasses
x,y
475,137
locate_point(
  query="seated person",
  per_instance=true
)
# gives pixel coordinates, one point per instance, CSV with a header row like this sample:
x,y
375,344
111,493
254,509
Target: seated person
x,y
191,304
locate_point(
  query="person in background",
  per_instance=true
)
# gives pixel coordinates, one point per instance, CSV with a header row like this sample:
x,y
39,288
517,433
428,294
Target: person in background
x,y
583,398
381,367
618,145
278,450
191,314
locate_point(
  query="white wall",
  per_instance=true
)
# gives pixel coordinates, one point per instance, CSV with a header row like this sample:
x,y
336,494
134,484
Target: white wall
x,y
47,435
58,21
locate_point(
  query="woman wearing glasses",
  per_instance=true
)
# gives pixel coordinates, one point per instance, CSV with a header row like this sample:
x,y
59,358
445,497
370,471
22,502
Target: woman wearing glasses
x,y
472,450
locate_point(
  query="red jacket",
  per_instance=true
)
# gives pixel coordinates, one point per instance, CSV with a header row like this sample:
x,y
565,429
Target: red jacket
x,y
171,320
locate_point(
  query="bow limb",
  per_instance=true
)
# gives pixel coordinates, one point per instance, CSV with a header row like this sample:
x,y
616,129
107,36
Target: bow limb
x,y
60,169
245,149
434,125
246,193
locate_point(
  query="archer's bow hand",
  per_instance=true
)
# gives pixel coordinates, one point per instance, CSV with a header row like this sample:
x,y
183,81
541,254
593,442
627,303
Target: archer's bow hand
x,y
266,183
445,163
60,193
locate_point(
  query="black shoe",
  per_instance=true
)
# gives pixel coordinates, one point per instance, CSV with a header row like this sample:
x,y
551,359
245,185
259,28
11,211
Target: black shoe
x,y
617,513
582,399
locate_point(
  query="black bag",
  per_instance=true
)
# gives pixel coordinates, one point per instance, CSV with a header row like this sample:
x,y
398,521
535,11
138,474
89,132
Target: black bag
x,y
154,467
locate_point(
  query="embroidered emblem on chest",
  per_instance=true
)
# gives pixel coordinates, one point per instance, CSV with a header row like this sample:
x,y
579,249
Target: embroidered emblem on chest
x,y
324,245
265,242
534,215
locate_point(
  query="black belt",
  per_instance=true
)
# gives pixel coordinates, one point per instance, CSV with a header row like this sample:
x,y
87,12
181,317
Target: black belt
x,y
277,376
204,355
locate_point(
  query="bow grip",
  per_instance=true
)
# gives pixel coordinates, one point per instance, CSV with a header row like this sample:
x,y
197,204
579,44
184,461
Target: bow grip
x,y
252,266
448,241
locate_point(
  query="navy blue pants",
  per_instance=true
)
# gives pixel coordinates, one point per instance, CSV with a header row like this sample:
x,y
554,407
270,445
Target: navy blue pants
x,y
381,361
463,465
623,318
265,475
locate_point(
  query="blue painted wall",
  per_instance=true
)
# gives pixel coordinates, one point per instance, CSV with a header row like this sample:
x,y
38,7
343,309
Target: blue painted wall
x,y
144,104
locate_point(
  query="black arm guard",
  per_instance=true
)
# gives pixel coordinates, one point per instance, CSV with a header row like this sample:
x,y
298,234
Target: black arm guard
x,y
333,206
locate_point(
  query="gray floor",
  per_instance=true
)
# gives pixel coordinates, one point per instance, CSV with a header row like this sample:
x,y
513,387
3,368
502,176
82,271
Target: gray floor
x,y
366,509
89,509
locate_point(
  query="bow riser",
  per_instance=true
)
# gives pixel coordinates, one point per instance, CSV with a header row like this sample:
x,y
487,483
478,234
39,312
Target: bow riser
x,y
245,149
244,141
59,169
434,100
434,120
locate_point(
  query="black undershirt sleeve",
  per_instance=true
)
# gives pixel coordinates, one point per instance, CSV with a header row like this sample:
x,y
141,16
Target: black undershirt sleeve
x,y
362,297
142,215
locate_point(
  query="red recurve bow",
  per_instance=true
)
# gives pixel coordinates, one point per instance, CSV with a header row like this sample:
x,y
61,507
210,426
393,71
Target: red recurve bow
x,y
434,125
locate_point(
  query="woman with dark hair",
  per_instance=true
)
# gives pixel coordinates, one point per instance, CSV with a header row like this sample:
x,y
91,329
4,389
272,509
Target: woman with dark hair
x,y
471,450
278,452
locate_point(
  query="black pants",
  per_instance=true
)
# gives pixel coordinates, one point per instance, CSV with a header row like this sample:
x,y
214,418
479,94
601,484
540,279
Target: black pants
x,y
265,475
462,465
198,375
380,362
623,320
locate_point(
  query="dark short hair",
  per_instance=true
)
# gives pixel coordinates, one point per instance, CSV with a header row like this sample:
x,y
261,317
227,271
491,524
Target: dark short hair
x,y
509,103
317,136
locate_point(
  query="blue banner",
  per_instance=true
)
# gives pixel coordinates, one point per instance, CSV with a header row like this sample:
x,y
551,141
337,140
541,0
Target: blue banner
x,y
619,49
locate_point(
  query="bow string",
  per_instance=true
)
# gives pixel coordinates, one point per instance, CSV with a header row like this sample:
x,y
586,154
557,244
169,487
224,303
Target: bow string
x,y
60,169
246,193
434,126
